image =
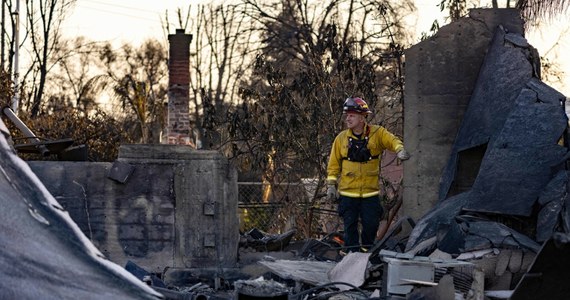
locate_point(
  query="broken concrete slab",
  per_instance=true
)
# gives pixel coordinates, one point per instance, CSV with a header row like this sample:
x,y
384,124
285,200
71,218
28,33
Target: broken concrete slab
x,y
44,254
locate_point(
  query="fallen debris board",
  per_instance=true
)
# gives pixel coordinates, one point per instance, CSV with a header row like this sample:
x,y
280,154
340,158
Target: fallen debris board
x,y
310,272
443,290
351,269
120,171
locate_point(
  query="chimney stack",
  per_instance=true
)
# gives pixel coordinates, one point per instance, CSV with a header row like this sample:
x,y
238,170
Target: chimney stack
x,y
178,128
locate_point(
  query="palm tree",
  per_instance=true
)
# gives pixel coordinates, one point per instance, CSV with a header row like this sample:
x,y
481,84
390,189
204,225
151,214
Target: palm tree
x,y
532,10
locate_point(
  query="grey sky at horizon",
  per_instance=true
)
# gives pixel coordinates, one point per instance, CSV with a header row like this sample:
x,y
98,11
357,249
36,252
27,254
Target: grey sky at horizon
x,y
134,21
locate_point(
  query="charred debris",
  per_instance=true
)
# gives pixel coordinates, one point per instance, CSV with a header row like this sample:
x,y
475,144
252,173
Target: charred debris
x,y
504,236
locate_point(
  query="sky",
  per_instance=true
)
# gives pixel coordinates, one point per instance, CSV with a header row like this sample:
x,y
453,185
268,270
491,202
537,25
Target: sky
x,y
130,21
134,21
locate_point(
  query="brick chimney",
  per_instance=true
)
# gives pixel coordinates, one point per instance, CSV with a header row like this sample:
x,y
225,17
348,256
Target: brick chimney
x,y
178,128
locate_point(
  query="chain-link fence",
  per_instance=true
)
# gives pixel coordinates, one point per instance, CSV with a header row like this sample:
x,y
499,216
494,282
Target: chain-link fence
x,y
277,208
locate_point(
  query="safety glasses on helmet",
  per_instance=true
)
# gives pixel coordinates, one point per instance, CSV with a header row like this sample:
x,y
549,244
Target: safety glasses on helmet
x,y
355,104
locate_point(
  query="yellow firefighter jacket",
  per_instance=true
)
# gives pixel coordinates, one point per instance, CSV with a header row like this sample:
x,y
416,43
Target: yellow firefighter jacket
x,y
360,179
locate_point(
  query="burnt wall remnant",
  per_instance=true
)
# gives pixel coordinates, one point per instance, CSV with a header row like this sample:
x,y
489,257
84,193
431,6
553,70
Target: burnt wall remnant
x,y
500,187
157,205
441,73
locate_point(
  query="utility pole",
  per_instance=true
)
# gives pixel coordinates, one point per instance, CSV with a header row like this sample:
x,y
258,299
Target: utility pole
x,y
2,40
16,31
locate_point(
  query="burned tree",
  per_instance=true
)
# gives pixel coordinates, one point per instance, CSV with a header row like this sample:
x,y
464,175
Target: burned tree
x,y
311,58
44,20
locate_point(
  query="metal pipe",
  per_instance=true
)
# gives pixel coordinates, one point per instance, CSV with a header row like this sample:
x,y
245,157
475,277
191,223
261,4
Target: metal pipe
x,y
3,37
16,32
8,112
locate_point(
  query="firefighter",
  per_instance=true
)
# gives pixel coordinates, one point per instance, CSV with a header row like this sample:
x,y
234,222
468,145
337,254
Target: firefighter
x,y
354,163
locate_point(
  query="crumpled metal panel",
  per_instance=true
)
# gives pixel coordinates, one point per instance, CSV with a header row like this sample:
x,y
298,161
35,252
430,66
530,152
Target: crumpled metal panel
x,y
457,234
443,213
521,120
517,166
553,198
504,72
44,255
519,162
486,234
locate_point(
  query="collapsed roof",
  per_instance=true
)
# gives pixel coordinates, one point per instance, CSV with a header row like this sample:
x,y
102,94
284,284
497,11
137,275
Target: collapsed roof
x,y
44,255
516,121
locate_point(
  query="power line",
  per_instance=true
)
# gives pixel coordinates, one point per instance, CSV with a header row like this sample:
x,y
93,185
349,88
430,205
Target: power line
x,y
118,5
123,14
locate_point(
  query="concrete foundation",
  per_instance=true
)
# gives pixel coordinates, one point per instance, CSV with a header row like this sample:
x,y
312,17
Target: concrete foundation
x,y
176,208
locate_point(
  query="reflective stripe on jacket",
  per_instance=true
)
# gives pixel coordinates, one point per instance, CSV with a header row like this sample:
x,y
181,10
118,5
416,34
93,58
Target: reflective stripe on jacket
x,y
360,179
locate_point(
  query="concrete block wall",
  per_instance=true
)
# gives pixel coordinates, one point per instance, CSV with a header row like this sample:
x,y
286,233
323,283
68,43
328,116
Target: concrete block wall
x,y
441,73
177,209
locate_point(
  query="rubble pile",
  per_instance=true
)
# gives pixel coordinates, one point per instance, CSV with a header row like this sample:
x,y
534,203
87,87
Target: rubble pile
x,y
483,240
503,233
380,274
